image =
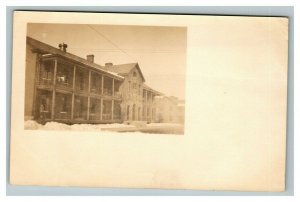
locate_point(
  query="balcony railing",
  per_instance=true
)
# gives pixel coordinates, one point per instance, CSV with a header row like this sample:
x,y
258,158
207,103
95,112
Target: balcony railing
x,y
64,84
94,116
107,91
118,94
95,91
117,116
106,116
46,81
62,115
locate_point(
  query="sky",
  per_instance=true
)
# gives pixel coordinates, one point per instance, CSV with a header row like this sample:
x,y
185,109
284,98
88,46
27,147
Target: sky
x,y
159,51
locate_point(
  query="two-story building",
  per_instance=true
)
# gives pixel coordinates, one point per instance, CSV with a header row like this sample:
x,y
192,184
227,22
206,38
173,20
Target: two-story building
x,y
62,87
137,97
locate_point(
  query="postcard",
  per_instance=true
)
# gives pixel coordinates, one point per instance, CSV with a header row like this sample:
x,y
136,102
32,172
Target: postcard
x,y
149,101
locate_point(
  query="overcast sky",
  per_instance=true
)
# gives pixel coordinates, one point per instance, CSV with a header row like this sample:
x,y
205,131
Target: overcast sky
x,y
160,51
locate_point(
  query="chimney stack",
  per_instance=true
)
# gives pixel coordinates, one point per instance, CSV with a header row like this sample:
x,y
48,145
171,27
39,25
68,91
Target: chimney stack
x,y
108,64
90,58
63,47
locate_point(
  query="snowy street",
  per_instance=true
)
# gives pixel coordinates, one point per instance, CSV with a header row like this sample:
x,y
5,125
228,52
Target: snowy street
x,y
158,128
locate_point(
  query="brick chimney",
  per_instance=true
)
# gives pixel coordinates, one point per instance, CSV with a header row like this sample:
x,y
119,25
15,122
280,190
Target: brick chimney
x,y
108,64
90,58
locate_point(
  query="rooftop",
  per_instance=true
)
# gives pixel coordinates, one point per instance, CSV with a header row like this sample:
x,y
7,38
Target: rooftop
x,y
48,50
157,93
116,71
124,69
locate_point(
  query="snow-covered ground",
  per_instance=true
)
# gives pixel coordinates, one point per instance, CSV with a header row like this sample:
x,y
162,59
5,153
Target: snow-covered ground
x,y
33,125
164,124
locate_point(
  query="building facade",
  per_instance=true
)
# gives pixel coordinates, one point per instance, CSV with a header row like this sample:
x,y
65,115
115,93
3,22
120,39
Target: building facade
x,y
63,87
169,109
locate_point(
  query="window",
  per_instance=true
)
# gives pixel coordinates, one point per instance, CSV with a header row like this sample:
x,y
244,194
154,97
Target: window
x,y
153,112
95,105
128,111
44,103
64,75
81,81
47,72
143,113
139,114
43,107
107,86
93,108
134,74
96,82
135,88
148,111
62,106
133,112
80,108
106,114
117,110
117,88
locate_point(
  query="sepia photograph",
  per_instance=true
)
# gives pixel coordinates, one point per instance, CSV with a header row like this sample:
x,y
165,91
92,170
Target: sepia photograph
x,y
105,77
155,101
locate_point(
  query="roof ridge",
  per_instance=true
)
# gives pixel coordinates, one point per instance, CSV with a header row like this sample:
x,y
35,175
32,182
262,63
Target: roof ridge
x,y
70,56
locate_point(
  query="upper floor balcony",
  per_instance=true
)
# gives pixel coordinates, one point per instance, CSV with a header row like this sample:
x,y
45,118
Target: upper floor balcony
x,y
82,80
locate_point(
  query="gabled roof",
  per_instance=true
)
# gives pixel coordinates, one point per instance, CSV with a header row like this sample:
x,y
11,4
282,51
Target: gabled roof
x,y
124,69
47,49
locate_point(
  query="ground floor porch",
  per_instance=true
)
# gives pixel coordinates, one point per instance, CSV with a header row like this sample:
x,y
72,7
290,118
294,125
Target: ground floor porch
x,y
71,108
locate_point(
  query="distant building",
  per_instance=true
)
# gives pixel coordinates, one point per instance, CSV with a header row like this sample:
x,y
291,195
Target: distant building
x,y
181,111
66,88
169,109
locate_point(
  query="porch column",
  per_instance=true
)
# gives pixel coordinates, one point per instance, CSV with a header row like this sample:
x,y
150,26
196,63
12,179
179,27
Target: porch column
x,y
112,110
53,90
73,94
102,83
146,111
101,108
88,102
36,82
151,106
113,87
